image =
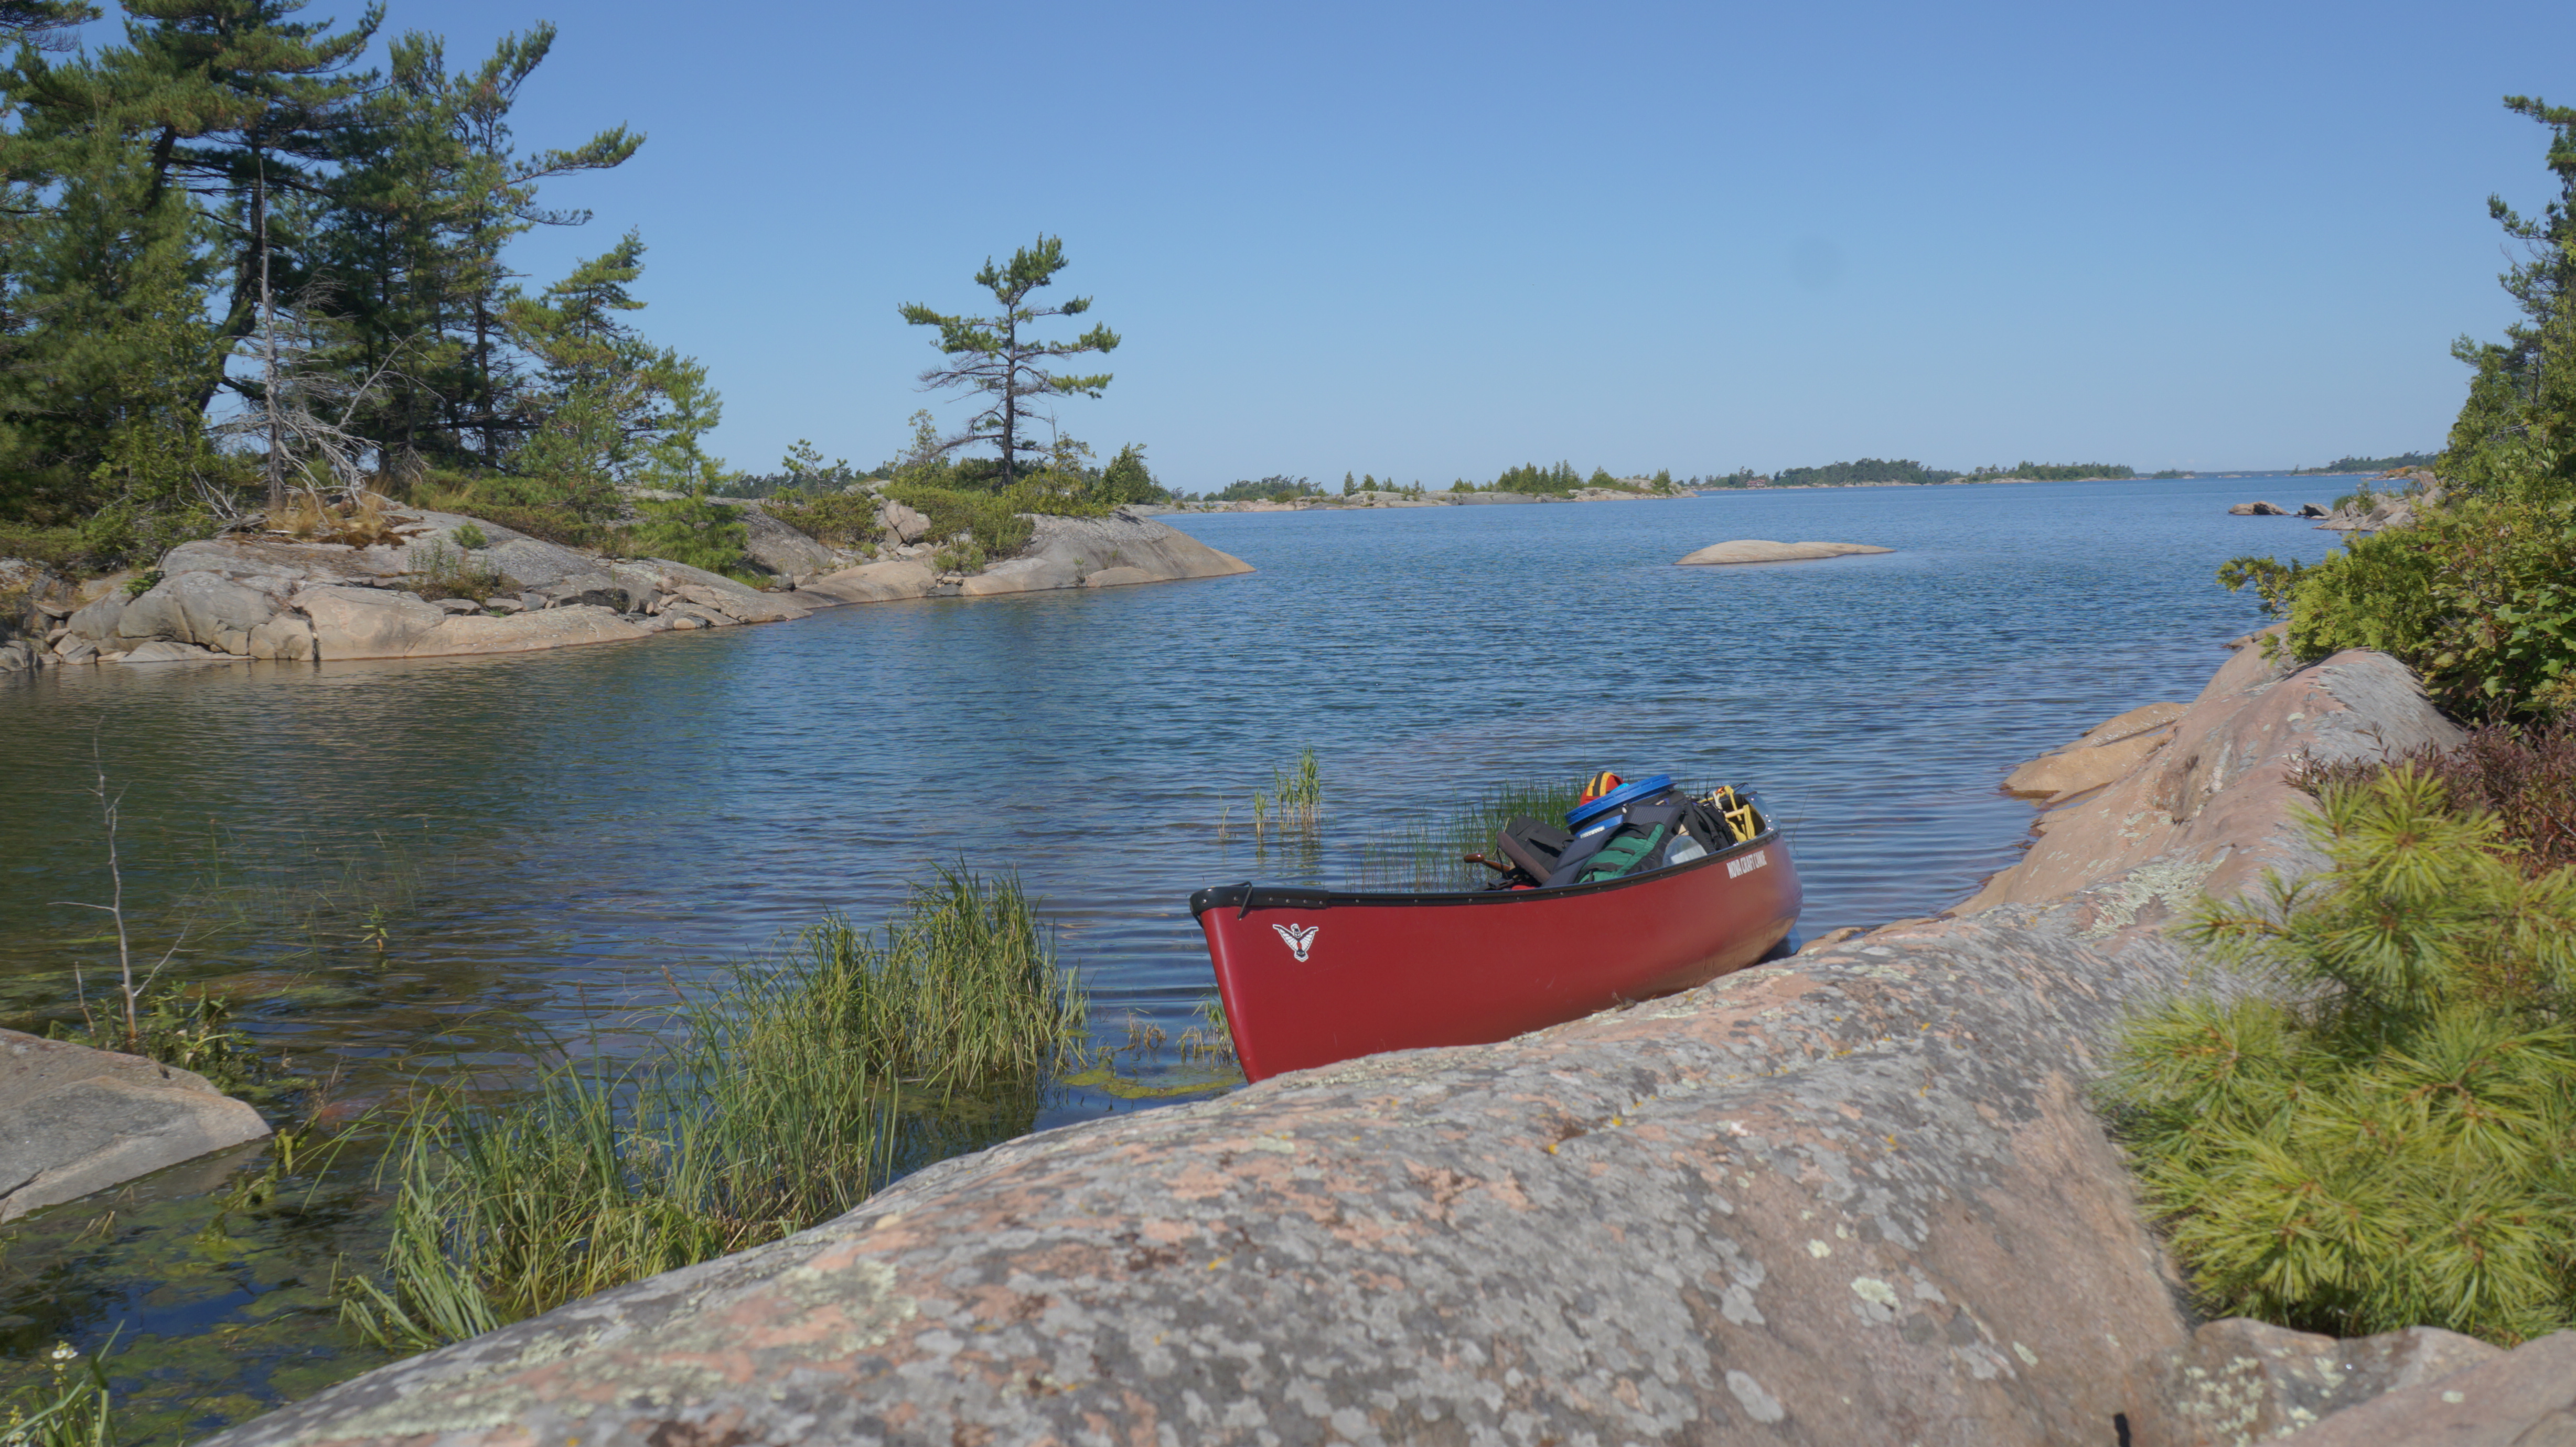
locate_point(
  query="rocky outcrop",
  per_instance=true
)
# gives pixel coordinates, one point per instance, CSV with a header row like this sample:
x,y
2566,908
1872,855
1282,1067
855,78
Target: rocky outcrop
x,y
2376,514
270,598
1855,1196
902,522
1758,550
2207,805
1065,552
782,551
2258,510
2106,752
2237,1381
273,598
2524,1398
75,1120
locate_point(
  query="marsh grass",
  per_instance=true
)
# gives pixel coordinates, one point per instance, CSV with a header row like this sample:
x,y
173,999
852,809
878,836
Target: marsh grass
x,y
785,1097
1428,854
1293,805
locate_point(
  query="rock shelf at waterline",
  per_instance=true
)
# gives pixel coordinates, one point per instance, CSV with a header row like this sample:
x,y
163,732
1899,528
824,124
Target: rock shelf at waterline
x,y
1853,1196
75,1120
269,597
1762,550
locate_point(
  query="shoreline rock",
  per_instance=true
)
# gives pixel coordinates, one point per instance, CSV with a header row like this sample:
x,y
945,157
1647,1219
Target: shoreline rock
x,y
1762,550
269,599
2203,802
74,1120
1854,1196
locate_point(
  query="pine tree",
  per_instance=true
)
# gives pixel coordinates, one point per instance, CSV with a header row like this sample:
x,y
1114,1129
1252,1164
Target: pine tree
x,y
1126,479
989,355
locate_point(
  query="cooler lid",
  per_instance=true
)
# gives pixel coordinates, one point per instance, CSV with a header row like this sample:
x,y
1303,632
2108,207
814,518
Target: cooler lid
x,y
1581,814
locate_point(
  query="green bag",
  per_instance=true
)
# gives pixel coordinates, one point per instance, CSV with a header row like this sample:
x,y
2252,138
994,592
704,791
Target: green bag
x,y
1621,855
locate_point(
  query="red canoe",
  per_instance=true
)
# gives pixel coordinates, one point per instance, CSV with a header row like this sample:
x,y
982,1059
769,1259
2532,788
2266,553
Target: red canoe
x,y
1311,976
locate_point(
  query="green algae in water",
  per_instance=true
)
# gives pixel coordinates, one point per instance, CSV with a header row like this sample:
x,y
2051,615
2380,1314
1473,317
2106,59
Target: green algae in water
x,y
212,1309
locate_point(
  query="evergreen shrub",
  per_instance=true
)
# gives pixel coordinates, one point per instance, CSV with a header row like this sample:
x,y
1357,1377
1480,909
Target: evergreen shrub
x,y
2370,1128
844,519
694,530
993,521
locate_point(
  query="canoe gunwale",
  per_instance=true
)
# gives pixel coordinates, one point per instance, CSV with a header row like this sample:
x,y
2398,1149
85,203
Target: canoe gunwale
x,y
1247,896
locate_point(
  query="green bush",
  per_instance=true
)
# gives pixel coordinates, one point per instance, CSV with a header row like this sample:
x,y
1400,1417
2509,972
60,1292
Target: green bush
x,y
2476,597
2375,1133
694,530
1127,479
449,572
992,521
845,519
61,547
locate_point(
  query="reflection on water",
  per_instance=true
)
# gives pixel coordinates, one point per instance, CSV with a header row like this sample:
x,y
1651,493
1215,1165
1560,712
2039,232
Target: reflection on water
x,y
429,864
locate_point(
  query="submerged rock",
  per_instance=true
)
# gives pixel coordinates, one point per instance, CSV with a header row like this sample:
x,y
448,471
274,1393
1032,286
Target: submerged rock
x,y
1758,550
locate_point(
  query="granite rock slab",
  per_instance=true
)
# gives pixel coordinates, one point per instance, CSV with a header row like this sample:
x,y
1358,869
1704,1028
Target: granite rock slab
x,y
1762,550
1850,1198
75,1120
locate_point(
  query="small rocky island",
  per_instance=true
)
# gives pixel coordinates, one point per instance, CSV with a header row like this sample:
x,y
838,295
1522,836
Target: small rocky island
x,y
269,596
1761,550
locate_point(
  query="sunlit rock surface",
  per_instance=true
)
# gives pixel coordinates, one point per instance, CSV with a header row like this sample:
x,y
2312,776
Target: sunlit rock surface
x,y
1760,550
75,1120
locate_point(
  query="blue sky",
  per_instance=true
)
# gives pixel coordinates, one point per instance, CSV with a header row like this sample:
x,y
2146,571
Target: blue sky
x,y
1434,240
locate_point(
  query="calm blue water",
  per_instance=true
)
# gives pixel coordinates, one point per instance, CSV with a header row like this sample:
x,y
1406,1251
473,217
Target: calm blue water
x,y
439,864
560,829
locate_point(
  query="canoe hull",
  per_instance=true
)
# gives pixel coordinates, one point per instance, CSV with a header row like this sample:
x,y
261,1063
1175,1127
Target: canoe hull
x,y
1400,972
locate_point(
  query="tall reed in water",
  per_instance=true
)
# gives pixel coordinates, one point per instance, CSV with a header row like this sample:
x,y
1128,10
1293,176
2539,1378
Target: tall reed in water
x,y
785,1098
1429,853
1295,797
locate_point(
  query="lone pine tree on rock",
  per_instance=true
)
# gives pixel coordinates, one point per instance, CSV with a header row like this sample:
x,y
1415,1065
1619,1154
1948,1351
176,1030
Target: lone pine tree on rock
x,y
989,354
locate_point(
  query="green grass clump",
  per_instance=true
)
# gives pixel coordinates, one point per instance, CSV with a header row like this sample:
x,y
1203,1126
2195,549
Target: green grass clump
x,y
960,990
786,1098
693,530
445,571
1429,855
1294,802
2378,1134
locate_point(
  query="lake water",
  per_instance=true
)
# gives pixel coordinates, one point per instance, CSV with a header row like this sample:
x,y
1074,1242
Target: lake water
x,y
461,856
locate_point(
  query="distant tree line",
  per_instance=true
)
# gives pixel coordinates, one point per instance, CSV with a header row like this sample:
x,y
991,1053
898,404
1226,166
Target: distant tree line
x,y
1906,470
2371,464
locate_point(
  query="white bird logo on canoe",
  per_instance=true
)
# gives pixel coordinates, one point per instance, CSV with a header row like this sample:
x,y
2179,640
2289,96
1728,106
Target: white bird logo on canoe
x,y
1298,936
